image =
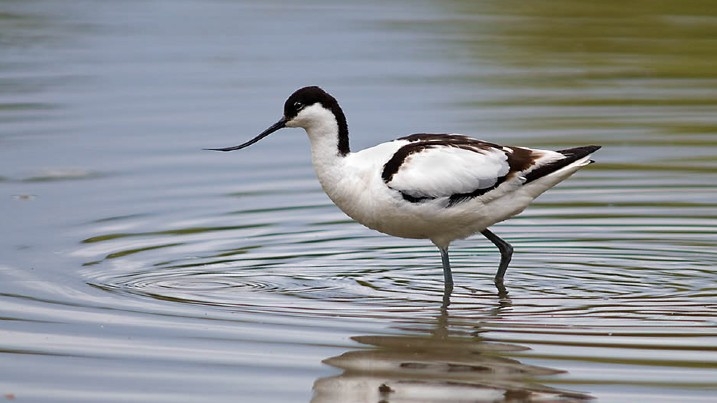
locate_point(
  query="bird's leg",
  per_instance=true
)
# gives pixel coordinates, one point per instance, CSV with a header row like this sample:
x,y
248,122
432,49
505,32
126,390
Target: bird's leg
x,y
506,252
448,277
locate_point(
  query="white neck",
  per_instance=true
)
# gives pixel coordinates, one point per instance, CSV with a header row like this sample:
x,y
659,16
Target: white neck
x,y
323,131
325,156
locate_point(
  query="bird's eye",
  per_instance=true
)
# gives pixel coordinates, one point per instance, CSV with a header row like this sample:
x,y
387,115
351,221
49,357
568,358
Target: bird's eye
x,y
298,106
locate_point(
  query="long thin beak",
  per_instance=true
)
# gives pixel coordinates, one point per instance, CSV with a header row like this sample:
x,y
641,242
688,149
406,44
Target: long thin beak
x,y
276,126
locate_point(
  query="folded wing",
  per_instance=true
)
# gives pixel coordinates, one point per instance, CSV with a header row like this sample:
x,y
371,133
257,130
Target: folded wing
x,y
453,166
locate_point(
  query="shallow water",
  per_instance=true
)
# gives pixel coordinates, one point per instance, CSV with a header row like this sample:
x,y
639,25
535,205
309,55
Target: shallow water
x,y
135,266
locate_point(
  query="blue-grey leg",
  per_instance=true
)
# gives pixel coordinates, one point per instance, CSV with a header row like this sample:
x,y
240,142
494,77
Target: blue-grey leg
x,y
447,276
506,252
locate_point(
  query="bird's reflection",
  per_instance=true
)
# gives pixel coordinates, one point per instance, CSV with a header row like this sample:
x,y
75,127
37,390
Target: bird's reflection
x,y
448,363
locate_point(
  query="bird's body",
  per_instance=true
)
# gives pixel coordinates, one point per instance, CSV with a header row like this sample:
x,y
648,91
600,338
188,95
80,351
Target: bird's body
x,y
430,195
440,187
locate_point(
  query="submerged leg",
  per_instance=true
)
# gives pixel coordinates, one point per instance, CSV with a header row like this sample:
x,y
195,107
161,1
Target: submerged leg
x,y
506,252
447,276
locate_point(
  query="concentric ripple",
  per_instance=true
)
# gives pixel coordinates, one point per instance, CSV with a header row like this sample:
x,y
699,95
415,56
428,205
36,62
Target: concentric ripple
x,y
307,256
607,288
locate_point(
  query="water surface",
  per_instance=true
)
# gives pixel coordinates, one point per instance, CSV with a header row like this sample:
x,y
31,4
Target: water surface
x,y
135,266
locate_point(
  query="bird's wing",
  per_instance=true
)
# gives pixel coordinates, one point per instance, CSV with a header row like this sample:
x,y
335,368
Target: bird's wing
x,y
436,166
457,167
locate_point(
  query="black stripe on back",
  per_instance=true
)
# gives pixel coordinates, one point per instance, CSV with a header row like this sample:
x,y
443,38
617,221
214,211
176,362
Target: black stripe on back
x,y
391,167
461,197
456,197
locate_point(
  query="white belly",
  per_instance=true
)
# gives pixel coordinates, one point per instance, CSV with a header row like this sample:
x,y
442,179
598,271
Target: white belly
x,y
363,196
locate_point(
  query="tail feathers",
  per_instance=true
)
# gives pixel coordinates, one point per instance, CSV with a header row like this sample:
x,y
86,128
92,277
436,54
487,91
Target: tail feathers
x,y
580,151
571,155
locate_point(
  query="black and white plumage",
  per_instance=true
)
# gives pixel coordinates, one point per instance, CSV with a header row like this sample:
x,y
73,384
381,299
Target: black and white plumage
x,y
440,187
